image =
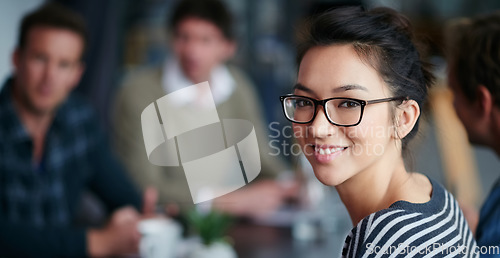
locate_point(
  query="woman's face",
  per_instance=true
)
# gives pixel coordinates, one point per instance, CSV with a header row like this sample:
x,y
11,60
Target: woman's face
x,y
340,153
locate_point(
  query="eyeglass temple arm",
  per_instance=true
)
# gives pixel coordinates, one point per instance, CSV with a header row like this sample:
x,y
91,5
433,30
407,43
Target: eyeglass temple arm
x,y
386,100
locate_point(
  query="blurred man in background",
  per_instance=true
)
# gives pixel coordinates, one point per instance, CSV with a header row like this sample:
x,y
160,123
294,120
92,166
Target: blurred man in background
x,y
203,40
51,150
474,78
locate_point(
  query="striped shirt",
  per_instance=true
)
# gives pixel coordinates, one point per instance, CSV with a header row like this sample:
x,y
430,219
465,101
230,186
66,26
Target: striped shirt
x,y
436,228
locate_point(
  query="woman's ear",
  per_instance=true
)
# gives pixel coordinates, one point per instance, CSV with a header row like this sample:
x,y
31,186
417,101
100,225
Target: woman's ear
x,y
407,115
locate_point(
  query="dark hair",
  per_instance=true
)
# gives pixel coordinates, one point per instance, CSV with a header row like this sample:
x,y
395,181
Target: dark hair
x,y
474,54
213,11
381,37
52,15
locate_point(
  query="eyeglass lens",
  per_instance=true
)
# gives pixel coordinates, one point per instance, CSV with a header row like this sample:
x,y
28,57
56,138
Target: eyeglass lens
x,y
339,111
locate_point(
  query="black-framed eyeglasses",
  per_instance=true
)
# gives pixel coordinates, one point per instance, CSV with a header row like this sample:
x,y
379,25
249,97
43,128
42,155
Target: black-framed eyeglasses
x,y
339,111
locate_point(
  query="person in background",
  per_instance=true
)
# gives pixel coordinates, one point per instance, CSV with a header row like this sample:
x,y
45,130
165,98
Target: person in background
x,y
474,78
203,41
52,149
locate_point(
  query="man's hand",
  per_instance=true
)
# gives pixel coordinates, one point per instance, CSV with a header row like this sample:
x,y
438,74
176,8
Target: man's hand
x,y
120,236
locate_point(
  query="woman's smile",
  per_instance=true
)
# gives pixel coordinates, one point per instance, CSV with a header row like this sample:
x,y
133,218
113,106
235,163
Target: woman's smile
x,y
325,153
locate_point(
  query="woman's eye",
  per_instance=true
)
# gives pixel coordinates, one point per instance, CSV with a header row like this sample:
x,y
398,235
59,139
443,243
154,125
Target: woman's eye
x,y
349,104
303,103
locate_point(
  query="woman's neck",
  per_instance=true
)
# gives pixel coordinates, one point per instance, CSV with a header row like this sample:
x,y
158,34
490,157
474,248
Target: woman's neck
x,y
382,184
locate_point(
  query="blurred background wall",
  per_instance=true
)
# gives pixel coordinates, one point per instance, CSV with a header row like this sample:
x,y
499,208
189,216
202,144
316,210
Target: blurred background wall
x,y
11,13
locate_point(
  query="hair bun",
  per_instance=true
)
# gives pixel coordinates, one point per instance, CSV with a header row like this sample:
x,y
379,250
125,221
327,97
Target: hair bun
x,y
393,18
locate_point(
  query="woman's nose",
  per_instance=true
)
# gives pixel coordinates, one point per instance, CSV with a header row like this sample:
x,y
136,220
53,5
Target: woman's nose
x,y
320,127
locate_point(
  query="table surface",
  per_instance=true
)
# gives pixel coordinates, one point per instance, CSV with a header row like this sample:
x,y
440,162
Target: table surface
x,y
262,241
289,233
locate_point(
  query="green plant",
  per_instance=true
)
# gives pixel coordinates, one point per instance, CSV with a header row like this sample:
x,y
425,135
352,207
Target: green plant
x,y
211,226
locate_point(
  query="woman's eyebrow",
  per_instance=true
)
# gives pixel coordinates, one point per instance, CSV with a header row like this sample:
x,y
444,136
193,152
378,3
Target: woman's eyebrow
x,y
349,87
342,88
302,87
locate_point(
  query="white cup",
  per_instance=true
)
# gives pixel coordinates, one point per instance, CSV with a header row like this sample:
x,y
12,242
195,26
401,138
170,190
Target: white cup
x,y
160,237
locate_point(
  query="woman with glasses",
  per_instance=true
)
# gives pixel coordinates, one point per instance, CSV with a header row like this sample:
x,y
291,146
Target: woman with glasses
x,y
360,89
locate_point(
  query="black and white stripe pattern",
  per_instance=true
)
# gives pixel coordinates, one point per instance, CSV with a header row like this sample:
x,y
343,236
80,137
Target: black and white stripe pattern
x,y
433,229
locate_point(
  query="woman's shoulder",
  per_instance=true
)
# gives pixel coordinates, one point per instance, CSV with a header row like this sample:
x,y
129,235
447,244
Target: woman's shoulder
x,y
403,213
409,228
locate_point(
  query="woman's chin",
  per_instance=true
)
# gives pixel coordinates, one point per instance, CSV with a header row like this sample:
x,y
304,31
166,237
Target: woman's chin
x,y
330,177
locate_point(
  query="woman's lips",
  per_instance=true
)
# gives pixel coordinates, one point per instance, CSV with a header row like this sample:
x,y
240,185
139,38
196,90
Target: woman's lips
x,y
326,153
